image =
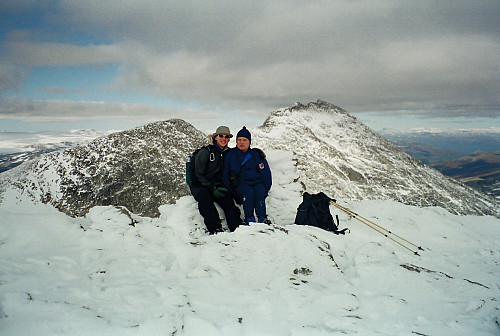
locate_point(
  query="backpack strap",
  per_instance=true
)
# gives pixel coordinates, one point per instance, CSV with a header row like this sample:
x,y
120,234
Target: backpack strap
x,y
211,153
245,159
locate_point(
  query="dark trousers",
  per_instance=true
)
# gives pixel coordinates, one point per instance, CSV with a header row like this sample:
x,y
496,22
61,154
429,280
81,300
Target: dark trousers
x,y
209,212
253,199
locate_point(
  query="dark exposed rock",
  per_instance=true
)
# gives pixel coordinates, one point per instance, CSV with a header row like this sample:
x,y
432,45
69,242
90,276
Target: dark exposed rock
x,y
139,169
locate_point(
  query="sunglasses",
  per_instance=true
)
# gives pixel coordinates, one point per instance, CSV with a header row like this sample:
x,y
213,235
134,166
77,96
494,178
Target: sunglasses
x,y
224,136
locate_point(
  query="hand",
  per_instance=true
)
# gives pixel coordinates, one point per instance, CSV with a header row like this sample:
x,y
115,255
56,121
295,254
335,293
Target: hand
x,y
234,182
219,192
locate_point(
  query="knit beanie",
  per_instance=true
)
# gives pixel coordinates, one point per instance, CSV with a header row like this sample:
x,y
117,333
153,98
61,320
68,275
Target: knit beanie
x,y
244,133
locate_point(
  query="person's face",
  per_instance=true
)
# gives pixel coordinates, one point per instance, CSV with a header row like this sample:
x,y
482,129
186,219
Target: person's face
x,y
222,140
243,144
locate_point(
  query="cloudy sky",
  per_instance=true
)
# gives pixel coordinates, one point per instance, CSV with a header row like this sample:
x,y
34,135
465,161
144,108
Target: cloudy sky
x,y
121,63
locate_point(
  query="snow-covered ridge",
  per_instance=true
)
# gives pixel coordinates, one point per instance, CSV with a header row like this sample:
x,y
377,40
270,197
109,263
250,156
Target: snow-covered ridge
x,y
144,168
140,169
342,157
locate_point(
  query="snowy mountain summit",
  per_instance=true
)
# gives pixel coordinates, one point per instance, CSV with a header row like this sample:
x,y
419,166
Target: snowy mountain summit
x,y
342,157
139,169
99,275
143,168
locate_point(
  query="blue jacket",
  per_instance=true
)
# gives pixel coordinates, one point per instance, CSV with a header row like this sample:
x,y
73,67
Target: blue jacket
x,y
246,168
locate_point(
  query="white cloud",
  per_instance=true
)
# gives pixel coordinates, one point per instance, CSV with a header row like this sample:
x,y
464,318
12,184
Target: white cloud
x,y
361,55
30,109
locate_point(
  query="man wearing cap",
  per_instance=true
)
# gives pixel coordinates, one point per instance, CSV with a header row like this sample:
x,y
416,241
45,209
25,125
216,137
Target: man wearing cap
x,y
209,165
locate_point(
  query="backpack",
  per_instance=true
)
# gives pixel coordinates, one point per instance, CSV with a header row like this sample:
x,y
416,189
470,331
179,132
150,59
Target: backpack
x,y
191,178
315,211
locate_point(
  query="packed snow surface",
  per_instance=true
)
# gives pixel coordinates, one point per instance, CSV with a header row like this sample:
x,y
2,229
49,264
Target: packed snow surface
x,y
112,273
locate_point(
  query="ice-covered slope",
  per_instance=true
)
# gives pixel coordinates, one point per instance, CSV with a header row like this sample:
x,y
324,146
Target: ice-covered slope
x,y
337,154
100,275
139,169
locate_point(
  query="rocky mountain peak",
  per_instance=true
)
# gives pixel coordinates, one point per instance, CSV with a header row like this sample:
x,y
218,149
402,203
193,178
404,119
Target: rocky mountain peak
x,y
143,168
318,105
139,169
339,155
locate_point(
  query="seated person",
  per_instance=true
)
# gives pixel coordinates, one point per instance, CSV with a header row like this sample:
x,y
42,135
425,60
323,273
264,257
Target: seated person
x,y
209,188
248,176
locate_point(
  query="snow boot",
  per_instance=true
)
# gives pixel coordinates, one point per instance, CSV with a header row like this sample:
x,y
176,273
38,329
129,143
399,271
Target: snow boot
x,y
264,219
250,219
216,231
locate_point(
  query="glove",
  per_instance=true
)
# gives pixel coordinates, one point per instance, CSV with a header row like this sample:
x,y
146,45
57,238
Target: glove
x,y
234,182
219,192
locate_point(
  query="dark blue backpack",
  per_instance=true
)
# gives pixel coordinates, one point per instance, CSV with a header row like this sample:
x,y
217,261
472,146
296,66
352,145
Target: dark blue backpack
x,y
315,211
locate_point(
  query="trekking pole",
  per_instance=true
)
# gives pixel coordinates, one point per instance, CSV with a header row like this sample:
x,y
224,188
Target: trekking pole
x,y
378,228
384,229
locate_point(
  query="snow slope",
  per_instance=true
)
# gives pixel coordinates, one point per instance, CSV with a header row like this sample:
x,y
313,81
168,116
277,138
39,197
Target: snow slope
x,y
111,274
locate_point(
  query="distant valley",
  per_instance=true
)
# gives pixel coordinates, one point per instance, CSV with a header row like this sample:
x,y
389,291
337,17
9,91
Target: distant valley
x,y
444,152
480,170
449,141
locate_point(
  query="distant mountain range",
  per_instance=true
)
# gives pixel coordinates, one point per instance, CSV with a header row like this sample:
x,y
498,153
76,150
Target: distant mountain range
x,y
9,161
453,141
479,170
335,153
18,147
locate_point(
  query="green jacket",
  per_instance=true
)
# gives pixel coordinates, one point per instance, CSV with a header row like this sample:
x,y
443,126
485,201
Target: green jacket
x,y
209,166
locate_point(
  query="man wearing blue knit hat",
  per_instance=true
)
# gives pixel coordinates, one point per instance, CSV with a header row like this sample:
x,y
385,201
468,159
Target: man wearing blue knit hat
x,y
248,176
